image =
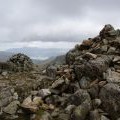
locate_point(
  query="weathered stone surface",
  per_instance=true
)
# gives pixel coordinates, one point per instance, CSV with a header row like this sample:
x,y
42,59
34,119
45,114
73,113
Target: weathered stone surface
x,y
94,115
12,107
31,106
58,83
85,82
69,109
5,95
79,97
43,115
80,112
104,118
93,68
96,103
110,95
51,71
90,55
44,93
112,76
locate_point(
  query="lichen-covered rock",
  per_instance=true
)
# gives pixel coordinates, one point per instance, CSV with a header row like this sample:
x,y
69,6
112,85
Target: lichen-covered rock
x,y
12,107
110,97
51,71
79,97
80,112
93,68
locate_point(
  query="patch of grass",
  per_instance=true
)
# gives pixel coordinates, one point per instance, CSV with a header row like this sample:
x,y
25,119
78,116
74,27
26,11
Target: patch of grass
x,y
40,112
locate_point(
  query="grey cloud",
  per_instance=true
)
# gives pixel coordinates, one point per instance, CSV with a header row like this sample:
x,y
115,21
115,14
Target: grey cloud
x,y
47,20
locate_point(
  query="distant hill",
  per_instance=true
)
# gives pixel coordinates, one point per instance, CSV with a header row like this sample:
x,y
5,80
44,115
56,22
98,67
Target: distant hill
x,y
4,56
39,53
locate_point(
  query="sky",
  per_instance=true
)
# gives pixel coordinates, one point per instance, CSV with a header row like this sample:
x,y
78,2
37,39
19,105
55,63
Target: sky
x,y
54,23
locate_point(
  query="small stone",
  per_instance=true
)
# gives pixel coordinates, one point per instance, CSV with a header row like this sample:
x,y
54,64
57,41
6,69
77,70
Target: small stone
x,y
102,83
116,59
15,96
80,112
43,116
85,82
31,106
69,109
104,118
105,41
112,76
44,93
4,73
58,83
90,55
12,107
94,115
51,107
104,48
96,103
87,42
111,50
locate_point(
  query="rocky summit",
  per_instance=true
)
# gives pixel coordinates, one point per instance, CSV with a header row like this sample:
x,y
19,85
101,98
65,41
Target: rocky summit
x,y
85,87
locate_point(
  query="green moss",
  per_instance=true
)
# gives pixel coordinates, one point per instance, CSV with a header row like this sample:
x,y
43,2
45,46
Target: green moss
x,y
0,98
40,112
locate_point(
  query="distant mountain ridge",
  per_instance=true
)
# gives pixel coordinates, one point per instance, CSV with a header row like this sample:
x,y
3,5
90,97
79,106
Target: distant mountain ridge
x,y
39,53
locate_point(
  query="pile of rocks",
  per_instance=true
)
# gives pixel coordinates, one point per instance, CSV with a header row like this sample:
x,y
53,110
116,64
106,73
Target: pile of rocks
x,y
88,86
20,62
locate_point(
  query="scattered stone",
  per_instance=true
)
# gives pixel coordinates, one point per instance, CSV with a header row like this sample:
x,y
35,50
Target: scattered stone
x,y
69,109
104,118
85,82
79,97
51,71
44,93
112,76
94,115
43,115
58,83
111,50
96,103
12,107
4,73
80,112
90,55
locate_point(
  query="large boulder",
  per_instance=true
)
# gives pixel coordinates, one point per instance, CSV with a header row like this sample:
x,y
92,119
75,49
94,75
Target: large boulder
x,y
81,111
79,97
51,71
20,62
110,97
93,68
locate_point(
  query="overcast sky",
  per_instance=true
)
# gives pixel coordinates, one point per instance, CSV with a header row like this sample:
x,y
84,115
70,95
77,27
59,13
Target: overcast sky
x,y
54,23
